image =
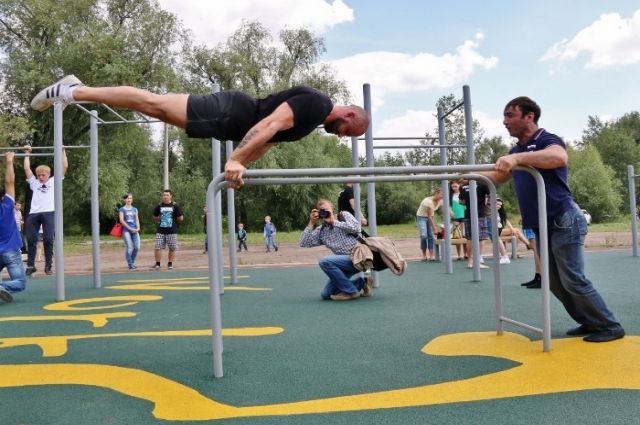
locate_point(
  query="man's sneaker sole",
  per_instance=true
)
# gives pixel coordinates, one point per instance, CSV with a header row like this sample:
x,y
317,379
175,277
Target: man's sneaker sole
x,y
5,296
50,95
343,296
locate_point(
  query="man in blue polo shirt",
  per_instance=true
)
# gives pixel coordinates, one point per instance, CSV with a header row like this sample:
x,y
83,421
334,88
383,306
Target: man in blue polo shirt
x,y
567,227
10,241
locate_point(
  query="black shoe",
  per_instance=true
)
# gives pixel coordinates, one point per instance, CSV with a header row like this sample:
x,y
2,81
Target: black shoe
x,y
580,330
536,284
604,336
276,248
5,295
30,270
535,279
47,271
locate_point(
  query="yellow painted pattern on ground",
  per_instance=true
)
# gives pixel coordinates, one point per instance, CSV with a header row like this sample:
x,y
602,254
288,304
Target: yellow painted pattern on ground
x,y
58,345
115,302
98,320
179,286
581,366
177,279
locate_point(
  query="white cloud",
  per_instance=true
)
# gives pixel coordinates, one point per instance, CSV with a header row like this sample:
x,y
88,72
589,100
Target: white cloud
x,y
394,72
611,40
213,22
416,123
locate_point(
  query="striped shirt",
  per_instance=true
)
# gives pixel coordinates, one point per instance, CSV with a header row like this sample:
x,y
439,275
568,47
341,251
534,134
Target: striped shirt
x,y
339,237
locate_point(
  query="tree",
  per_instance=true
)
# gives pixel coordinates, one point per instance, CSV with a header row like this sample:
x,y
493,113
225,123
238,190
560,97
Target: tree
x,y
105,42
594,184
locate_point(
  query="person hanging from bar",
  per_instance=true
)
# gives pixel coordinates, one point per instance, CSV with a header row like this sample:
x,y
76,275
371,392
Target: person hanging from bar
x,y
42,211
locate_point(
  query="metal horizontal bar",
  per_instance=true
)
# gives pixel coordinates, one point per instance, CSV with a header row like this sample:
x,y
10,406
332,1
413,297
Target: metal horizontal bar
x,y
522,325
400,138
48,147
418,146
455,108
22,155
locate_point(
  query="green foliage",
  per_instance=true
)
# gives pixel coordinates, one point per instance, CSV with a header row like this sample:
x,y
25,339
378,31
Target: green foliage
x,y
594,184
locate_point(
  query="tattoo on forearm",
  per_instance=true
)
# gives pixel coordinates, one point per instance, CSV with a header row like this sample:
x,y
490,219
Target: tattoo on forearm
x,y
247,137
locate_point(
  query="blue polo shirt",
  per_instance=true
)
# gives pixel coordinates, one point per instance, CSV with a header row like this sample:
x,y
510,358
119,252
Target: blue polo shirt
x,y
9,235
559,197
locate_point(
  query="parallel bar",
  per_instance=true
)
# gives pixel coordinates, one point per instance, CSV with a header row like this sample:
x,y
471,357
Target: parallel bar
x,y
417,146
338,175
400,138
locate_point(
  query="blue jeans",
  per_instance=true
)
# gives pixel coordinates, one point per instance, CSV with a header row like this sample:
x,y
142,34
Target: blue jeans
x,y
131,246
271,243
339,269
46,219
427,241
567,280
12,260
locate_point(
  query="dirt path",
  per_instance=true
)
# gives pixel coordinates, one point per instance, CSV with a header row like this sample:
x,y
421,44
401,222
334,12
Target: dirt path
x,y
190,257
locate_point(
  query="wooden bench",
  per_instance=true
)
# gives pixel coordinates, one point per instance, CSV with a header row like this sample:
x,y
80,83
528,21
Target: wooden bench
x,y
513,240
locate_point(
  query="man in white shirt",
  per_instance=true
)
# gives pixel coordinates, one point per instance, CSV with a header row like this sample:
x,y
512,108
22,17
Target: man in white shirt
x,y
41,212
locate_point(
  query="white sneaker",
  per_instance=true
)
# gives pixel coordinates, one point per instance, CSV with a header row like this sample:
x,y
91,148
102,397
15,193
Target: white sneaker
x,y
57,92
505,260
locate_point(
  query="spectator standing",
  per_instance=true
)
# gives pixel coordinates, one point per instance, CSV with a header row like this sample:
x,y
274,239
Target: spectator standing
x,y
169,215
426,224
347,202
242,237
483,232
269,233
42,211
128,215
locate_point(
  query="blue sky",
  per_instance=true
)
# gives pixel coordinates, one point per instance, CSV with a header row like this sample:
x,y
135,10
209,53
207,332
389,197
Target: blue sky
x,y
575,58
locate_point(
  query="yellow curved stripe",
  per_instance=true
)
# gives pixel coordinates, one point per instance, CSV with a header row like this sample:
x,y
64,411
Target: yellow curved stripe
x,y
180,286
58,345
98,320
116,302
573,365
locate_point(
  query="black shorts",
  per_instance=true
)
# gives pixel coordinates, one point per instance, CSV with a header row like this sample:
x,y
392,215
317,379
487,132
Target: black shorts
x,y
208,115
226,115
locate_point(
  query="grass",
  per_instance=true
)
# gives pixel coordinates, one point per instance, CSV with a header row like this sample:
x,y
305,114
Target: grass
x,y
82,244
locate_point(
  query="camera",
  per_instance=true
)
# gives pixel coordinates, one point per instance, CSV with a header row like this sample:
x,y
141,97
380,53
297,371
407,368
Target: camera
x,y
323,213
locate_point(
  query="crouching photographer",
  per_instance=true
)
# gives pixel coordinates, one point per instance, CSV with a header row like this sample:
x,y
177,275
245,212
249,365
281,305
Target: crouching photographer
x,y
339,234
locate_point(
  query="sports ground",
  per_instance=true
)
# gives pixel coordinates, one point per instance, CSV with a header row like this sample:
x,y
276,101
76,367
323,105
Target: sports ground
x,y
422,350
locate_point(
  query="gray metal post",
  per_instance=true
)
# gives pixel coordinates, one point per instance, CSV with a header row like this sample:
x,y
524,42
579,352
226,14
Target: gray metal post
x,y
214,240
95,204
231,225
371,186
473,195
446,244
165,180
355,163
58,216
634,211
216,165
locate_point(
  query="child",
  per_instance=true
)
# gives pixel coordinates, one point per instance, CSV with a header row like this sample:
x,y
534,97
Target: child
x,y
269,234
242,237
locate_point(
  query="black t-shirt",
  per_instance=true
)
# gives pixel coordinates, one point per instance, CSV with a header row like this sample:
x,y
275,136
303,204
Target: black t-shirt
x,y
343,200
168,214
310,108
482,191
